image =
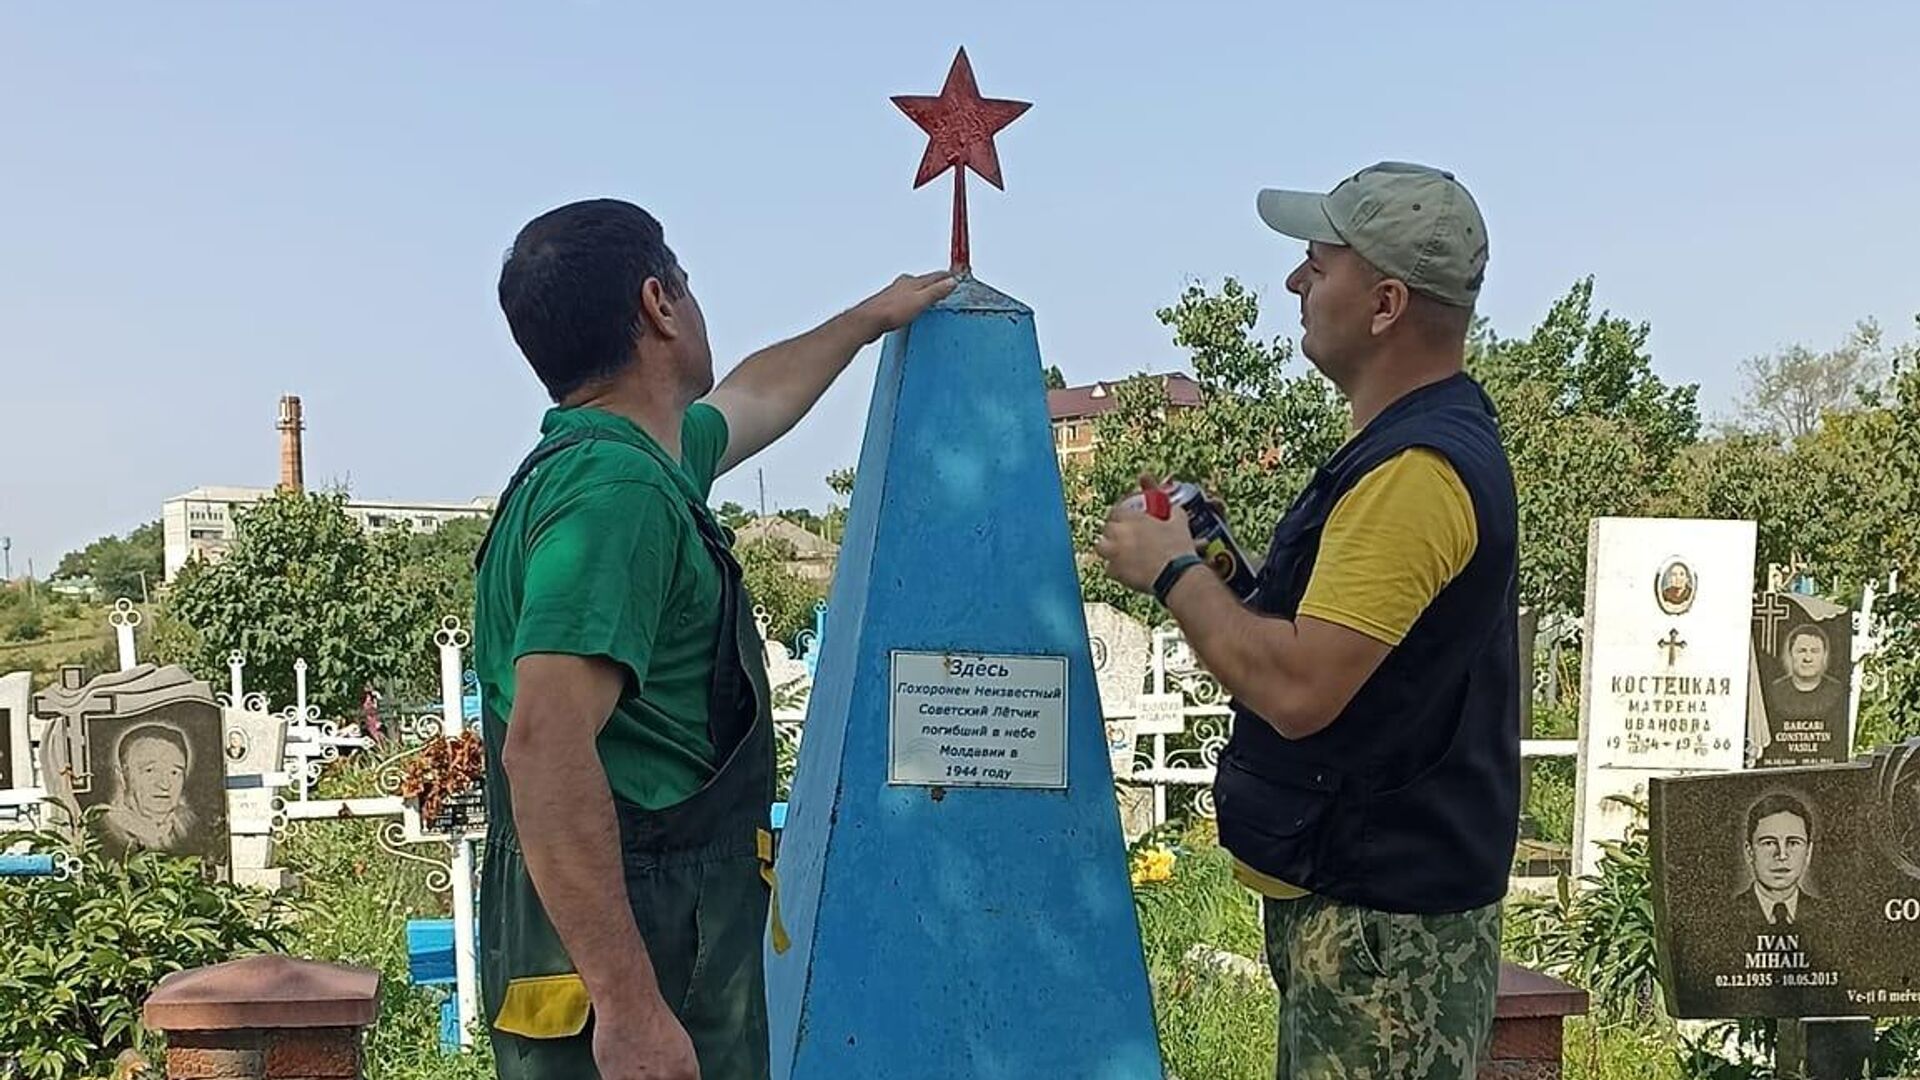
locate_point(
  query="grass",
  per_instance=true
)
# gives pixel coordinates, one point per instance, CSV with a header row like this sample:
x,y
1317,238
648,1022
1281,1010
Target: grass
x,y
1601,1052
1212,1024
72,633
360,899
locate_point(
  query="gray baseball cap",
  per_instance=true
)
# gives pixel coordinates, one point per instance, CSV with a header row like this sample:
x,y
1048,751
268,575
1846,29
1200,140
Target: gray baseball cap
x,y
1412,222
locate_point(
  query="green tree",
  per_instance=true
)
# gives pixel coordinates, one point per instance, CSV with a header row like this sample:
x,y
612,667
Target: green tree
x,y
788,598
840,482
1263,425
1787,392
302,580
1590,429
120,566
1055,380
733,515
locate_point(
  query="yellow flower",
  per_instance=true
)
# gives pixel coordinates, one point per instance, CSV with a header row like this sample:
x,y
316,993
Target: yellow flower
x,y
1154,864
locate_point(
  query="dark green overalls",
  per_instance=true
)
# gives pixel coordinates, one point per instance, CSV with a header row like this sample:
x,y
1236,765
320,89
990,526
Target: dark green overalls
x,y
698,876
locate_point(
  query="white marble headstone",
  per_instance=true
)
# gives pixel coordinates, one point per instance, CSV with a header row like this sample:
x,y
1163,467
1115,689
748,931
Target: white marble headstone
x,y
1122,652
784,673
254,745
1665,666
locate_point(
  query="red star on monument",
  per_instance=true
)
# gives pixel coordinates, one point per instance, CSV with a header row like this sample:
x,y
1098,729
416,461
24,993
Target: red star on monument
x,y
960,126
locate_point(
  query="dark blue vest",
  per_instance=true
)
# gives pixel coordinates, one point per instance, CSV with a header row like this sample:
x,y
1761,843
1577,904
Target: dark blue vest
x,y
1409,800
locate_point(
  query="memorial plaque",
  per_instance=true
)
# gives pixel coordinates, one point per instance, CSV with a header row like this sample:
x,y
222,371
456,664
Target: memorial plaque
x,y
1802,678
1790,892
979,721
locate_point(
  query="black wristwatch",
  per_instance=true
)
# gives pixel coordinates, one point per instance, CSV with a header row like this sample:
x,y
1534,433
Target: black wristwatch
x,y
1170,574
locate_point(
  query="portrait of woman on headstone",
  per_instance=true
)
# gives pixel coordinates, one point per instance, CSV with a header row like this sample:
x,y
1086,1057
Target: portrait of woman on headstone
x,y
1675,587
149,807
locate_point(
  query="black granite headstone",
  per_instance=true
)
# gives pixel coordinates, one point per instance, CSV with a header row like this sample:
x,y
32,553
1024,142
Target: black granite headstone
x,y
1790,892
138,755
6,748
1802,675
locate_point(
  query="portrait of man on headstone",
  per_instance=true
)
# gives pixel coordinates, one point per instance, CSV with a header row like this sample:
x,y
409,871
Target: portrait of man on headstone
x,y
1807,689
1802,652
1779,850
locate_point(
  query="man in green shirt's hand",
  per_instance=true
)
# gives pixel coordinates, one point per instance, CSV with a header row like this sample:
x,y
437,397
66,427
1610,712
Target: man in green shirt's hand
x,y
630,754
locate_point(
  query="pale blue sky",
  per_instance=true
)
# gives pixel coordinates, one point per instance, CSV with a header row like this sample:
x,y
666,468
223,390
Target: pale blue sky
x,y
207,205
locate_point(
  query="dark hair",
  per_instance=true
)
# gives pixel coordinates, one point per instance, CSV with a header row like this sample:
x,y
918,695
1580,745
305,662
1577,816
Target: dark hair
x,y
1808,630
1778,803
570,288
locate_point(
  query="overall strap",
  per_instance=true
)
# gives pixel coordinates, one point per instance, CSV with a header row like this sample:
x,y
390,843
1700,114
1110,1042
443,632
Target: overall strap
x,y
727,721
540,453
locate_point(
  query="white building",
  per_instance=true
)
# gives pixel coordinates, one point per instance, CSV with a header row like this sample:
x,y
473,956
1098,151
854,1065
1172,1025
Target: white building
x,y
200,522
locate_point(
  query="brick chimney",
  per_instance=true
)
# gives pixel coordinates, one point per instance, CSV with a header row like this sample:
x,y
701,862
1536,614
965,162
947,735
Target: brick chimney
x,y
292,459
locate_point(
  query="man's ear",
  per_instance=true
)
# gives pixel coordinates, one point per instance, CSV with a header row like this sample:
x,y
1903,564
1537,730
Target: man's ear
x,y
657,310
1390,300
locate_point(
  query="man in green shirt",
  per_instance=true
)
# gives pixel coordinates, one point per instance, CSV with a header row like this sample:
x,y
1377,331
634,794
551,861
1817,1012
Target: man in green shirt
x,y
624,895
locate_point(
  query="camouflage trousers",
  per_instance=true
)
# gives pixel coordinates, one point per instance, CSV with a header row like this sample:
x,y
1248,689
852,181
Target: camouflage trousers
x,y
1371,995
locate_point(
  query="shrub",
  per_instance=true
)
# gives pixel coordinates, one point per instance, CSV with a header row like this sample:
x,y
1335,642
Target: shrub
x,y
359,900
82,953
1600,936
1212,1023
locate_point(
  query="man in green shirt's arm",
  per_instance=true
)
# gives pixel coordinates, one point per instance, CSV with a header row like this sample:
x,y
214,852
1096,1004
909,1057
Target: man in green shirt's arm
x,y
772,389
625,688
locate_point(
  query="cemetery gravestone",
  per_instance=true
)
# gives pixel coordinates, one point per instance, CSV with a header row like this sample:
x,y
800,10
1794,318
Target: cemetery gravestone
x,y
1122,647
1799,712
1791,892
1666,663
254,749
16,746
147,746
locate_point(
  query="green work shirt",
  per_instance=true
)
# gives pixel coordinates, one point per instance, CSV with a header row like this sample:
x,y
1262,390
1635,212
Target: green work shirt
x,y
597,554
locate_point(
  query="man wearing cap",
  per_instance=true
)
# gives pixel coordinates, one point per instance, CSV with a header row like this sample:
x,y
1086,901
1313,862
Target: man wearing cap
x,y
1370,790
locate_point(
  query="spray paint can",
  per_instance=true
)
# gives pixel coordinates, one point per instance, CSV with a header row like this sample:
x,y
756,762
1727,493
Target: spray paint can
x,y
1210,533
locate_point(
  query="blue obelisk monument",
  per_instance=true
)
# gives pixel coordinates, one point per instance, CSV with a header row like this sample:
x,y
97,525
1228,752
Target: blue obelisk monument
x,y
953,875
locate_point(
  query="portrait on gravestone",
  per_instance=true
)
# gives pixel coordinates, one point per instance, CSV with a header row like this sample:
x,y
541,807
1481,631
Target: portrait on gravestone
x,y
236,744
138,755
162,783
1675,587
1777,893
1803,664
1777,857
1897,809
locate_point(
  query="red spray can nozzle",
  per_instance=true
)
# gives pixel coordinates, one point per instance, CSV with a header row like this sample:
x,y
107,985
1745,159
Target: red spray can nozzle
x,y
1157,503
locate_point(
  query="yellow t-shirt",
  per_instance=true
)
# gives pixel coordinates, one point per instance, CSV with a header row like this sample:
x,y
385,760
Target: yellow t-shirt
x,y
1392,542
